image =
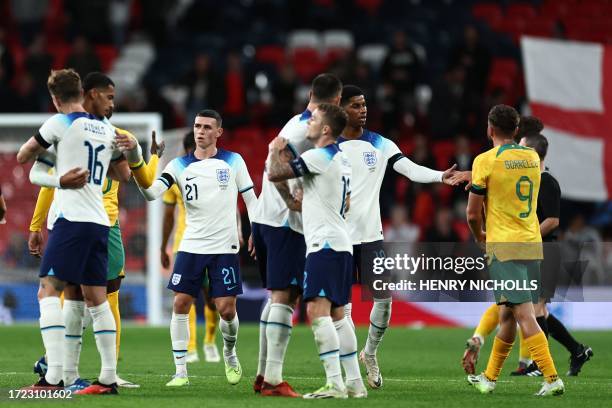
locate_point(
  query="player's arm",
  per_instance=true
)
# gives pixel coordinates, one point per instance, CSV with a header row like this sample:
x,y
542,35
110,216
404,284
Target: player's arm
x,y
43,203
478,191
474,216
31,149
41,175
276,168
146,176
290,200
161,185
167,226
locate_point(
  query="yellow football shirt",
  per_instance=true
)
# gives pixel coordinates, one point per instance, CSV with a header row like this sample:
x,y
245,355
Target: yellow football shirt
x,y
173,197
509,177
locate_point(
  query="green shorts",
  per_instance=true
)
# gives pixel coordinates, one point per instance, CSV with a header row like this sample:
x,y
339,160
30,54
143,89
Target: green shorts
x,y
116,253
516,281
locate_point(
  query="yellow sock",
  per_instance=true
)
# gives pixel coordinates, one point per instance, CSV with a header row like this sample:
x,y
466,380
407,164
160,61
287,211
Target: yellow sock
x,y
498,356
540,353
113,301
193,327
524,354
488,321
211,317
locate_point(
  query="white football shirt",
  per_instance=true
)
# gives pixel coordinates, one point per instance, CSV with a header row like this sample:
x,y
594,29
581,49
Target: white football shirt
x,y
210,190
80,140
369,156
271,208
326,175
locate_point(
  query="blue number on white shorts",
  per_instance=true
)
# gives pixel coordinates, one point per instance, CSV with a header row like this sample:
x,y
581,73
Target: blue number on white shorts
x,y
227,280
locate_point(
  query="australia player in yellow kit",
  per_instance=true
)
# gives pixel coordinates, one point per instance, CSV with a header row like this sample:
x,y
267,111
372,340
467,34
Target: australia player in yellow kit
x,y
99,97
174,199
506,181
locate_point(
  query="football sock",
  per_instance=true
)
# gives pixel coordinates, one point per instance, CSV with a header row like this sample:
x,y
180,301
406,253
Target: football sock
x,y
73,320
348,349
263,341
229,331
53,331
348,311
540,353
380,315
212,321
498,356
524,354
488,322
328,345
193,327
113,301
106,340
543,325
278,333
559,332
179,335
86,319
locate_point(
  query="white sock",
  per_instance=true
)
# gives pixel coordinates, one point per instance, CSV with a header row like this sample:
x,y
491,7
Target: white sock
x,y
229,331
179,335
52,330
86,319
348,311
348,349
328,345
379,321
105,332
73,319
278,333
263,342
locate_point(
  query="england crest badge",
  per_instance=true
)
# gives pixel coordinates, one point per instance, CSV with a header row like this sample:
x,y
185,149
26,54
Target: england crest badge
x,y
369,158
223,176
176,278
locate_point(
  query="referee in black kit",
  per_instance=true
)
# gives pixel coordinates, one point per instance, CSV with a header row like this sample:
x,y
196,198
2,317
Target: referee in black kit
x,y
549,200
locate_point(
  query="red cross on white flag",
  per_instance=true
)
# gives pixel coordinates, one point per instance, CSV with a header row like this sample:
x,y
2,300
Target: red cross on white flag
x,y
569,86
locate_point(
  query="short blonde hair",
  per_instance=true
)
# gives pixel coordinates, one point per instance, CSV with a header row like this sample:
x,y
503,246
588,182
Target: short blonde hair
x,y
65,84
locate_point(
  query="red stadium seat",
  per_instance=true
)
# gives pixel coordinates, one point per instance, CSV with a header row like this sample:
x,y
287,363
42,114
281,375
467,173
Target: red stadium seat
x,y
271,54
443,152
521,11
489,12
371,6
107,55
307,63
60,52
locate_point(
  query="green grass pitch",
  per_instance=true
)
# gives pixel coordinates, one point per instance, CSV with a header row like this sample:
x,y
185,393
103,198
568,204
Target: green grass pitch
x,y
420,368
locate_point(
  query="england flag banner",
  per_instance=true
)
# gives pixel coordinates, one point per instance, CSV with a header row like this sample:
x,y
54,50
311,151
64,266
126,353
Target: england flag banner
x,y
569,87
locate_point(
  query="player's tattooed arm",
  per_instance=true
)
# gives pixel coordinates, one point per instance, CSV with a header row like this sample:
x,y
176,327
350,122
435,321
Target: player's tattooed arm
x,y
276,168
291,201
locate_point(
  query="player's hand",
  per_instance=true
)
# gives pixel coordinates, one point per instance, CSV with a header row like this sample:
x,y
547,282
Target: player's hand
x,y
157,148
251,247
75,178
125,141
35,243
449,174
459,177
278,143
165,259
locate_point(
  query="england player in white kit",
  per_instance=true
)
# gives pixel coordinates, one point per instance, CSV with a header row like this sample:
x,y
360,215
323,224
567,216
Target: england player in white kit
x,y
76,253
326,176
209,180
279,243
369,154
